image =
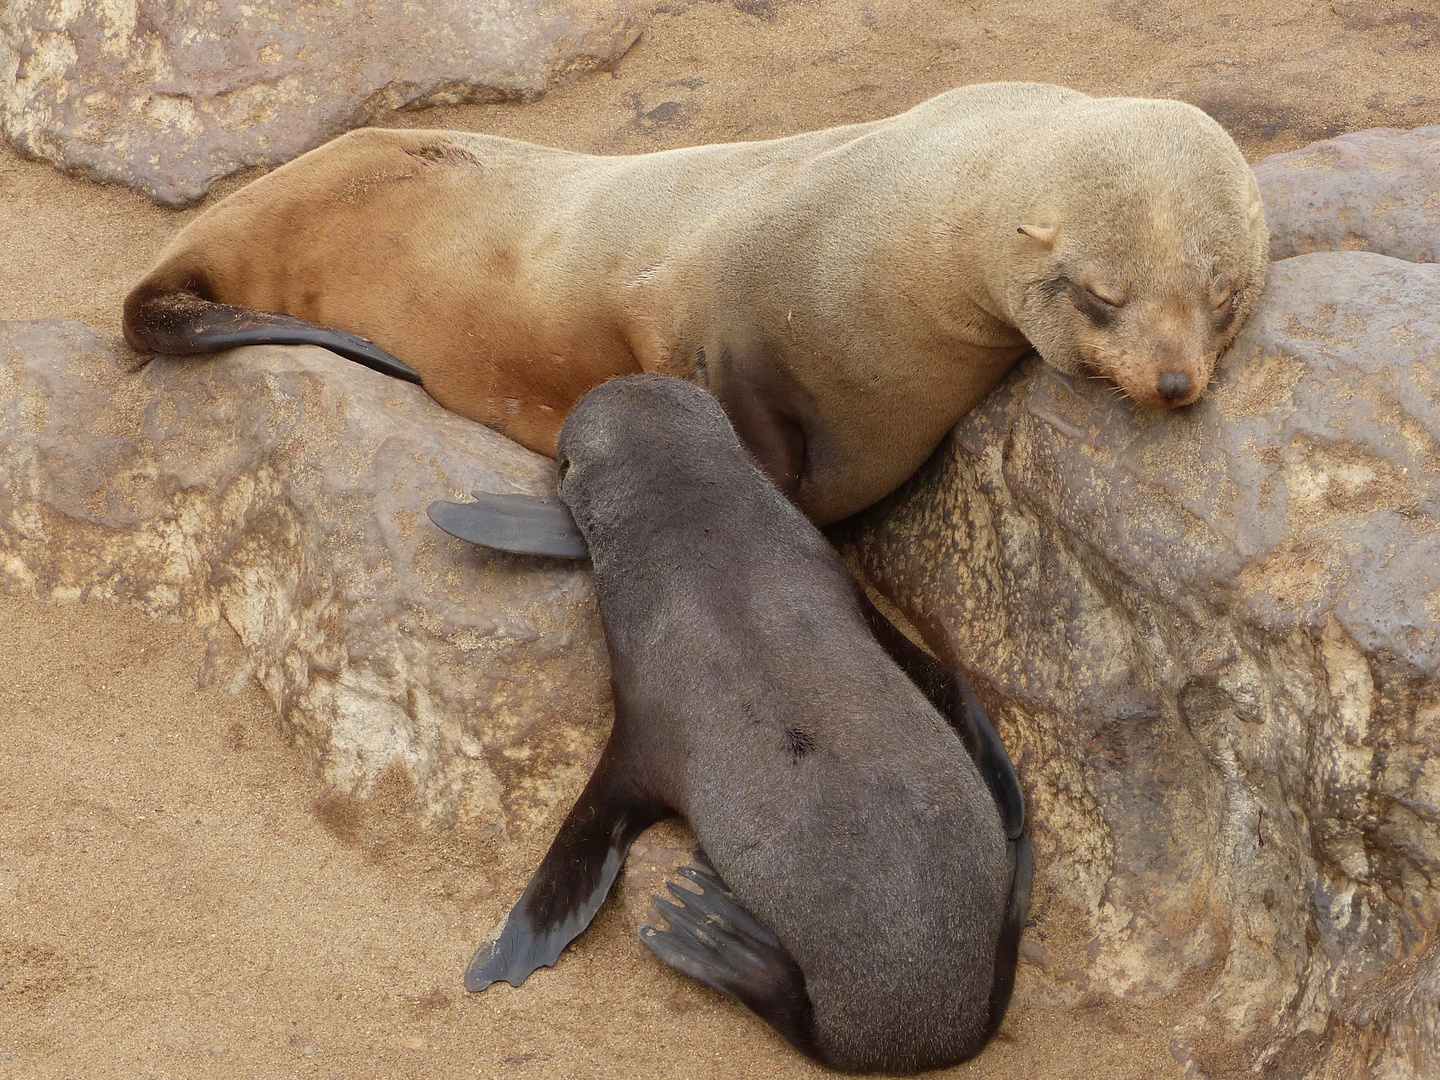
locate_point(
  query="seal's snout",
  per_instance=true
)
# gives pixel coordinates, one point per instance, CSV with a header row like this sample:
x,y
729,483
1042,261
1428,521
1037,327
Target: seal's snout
x,y
1175,386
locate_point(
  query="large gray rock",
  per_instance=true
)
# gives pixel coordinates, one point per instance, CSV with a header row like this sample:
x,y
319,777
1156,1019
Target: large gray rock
x,y
277,497
169,95
1375,190
1212,640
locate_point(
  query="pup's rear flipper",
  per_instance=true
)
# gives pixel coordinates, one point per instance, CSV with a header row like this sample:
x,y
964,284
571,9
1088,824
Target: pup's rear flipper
x,y
180,323
571,883
526,524
710,937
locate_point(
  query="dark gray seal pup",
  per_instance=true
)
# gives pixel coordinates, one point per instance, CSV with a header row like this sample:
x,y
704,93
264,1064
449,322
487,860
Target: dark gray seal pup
x,y
867,875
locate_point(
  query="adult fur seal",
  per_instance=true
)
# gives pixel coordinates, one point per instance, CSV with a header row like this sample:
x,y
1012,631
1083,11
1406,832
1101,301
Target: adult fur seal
x,y
847,294
880,872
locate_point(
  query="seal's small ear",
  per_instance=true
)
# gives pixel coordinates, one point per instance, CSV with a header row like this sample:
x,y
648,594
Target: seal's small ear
x,y
524,524
1041,234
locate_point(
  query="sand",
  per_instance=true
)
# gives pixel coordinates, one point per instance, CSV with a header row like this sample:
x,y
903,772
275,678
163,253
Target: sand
x,y
180,897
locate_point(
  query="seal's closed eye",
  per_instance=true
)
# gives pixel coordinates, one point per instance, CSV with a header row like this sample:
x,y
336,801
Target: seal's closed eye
x,y
524,524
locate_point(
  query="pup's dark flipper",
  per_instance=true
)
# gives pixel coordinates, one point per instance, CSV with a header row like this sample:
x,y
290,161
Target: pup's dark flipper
x,y
183,324
990,755
570,885
952,697
526,524
1007,951
710,937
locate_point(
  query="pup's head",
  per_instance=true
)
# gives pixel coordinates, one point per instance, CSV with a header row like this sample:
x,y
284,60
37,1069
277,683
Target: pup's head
x,y
1148,254
635,450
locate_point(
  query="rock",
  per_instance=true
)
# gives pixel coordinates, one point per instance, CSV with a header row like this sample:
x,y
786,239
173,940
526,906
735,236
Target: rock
x,y
1212,641
169,95
1374,191
276,497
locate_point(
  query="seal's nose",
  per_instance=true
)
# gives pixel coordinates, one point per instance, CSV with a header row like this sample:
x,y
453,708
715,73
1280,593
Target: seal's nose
x,y
1174,385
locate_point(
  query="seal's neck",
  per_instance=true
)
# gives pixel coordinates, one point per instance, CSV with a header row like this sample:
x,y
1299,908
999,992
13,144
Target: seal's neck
x,y
987,263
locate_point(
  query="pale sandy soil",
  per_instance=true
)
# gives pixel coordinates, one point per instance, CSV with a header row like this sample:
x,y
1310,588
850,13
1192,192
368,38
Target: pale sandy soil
x,y
180,898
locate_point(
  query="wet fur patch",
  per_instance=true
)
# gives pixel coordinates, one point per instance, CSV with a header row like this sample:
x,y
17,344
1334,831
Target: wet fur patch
x,y
443,154
798,742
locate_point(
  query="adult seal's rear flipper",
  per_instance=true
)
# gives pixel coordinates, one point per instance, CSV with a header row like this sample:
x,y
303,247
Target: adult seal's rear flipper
x,y
524,524
180,323
570,885
710,937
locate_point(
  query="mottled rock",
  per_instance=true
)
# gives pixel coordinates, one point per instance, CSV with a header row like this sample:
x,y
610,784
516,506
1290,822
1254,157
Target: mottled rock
x,y
169,95
1212,641
1376,190
276,496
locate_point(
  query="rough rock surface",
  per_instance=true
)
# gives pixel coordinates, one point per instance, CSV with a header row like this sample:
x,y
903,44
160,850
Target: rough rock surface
x,y
277,496
1212,640
168,96
1375,190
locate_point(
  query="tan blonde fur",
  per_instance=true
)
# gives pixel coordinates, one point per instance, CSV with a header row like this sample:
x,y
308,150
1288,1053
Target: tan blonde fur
x,y
880,278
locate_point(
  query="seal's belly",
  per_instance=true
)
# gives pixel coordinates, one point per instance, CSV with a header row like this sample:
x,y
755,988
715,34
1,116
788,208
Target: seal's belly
x,y
861,444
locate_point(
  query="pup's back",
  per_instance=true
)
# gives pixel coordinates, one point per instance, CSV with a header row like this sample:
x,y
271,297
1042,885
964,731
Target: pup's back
x,y
839,806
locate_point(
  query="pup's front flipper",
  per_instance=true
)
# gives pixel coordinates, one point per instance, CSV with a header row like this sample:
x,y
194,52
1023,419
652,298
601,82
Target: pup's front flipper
x,y
1007,948
571,884
525,524
953,699
179,323
710,937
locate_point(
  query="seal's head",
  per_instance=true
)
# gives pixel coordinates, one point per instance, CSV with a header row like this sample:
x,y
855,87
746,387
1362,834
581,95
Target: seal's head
x,y
1146,252
636,450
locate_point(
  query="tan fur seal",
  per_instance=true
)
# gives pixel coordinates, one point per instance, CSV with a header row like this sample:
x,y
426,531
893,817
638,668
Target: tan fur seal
x,y
847,294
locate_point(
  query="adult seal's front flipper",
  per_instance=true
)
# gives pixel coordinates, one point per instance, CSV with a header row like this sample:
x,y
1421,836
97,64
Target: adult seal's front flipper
x,y
571,883
710,937
524,524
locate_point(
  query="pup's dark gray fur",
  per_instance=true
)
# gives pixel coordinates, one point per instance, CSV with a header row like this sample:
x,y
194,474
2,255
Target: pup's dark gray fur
x,y
841,810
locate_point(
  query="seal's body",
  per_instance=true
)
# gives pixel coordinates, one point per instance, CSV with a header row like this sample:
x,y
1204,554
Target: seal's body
x,y
879,872
847,294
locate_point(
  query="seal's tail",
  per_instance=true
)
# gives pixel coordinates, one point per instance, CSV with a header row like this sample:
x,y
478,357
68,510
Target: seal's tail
x,y
177,320
709,936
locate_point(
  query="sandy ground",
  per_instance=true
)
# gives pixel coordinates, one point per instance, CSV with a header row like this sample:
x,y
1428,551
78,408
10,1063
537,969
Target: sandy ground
x,y
180,898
